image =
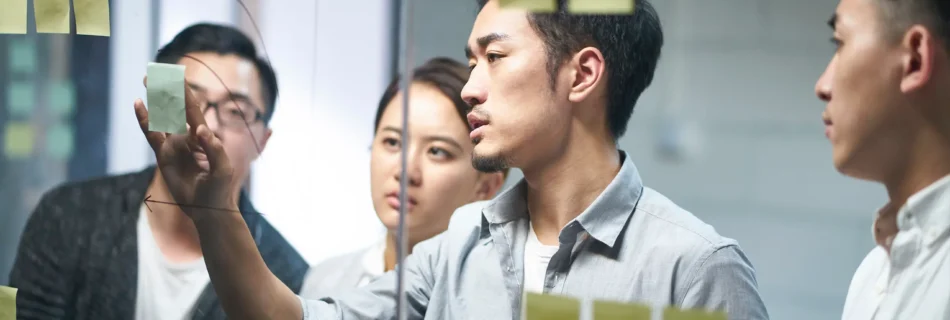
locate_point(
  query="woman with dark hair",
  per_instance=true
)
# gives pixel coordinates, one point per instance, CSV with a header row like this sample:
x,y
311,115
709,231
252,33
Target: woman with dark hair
x,y
439,169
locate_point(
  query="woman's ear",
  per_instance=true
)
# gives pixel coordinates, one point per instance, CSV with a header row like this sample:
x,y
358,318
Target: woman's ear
x,y
488,185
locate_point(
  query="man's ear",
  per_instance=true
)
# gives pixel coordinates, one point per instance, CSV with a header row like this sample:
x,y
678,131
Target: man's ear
x,y
917,63
262,140
588,71
488,185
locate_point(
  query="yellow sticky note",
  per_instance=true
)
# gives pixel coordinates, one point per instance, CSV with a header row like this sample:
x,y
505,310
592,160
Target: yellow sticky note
x,y
601,6
604,310
7,303
551,307
52,16
676,314
92,17
13,16
18,140
538,6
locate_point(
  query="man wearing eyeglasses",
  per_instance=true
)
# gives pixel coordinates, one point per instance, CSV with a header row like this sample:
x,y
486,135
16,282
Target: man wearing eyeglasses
x,y
93,250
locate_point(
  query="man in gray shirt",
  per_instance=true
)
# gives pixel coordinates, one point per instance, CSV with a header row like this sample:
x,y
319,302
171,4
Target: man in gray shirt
x,y
551,94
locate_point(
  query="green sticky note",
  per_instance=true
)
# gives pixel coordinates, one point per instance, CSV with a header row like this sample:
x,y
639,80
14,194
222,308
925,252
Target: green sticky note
x,y
7,303
62,97
21,97
18,140
676,314
604,310
92,17
601,6
551,307
537,6
166,98
13,16
52,16
59,141
22,56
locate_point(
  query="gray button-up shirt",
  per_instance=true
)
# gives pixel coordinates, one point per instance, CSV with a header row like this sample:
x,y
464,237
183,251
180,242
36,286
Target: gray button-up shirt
x,y
631,245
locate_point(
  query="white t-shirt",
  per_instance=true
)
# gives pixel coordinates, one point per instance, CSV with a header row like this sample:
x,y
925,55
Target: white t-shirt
x,y
536,258
166,291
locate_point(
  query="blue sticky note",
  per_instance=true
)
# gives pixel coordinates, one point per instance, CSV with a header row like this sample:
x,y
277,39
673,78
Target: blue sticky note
x,y
59,141
62,98
21,56
166,98
21,98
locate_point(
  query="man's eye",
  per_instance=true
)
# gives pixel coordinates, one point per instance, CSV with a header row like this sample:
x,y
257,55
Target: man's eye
x,y
492,57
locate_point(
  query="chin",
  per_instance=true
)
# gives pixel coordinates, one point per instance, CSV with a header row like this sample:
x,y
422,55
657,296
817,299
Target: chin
x,y
489,161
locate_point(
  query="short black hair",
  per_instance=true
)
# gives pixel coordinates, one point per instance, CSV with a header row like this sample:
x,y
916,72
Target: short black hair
x,y
934,14
223,40
446,75
630,44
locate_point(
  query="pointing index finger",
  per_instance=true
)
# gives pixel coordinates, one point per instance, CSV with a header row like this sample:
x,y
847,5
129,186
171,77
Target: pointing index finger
x,y
193,114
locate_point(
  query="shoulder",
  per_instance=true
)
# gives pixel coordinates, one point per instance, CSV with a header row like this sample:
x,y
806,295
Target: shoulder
x,y
333,275
655,213
75,204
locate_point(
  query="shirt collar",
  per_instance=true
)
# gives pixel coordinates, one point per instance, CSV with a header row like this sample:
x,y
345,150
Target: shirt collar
x,y
374,263
604,219
928,208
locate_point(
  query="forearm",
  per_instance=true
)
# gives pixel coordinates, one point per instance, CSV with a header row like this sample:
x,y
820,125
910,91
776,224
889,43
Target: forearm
x,y
246,287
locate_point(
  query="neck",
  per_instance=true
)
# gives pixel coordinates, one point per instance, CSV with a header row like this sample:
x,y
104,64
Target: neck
x,y
392,246
927,160
168,219
563,187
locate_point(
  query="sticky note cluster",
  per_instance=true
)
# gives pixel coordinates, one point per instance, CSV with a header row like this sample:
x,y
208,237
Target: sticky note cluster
x,y
165,91
548,307
52,16
7,302
617,7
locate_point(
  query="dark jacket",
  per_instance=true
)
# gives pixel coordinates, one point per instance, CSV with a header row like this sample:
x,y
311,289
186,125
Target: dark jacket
x,y
78,256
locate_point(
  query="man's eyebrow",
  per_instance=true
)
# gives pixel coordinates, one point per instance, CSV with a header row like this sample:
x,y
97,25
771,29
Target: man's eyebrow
x,y
195,87
484,41
833,21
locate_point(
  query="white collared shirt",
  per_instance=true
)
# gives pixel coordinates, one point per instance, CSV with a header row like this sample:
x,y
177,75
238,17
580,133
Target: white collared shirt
x,y
912,281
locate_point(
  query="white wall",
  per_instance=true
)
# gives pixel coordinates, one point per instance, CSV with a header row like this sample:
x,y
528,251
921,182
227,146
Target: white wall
x,y
312,181
131,50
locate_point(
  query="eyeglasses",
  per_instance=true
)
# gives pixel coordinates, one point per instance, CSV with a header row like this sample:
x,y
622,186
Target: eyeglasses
x,y
232,113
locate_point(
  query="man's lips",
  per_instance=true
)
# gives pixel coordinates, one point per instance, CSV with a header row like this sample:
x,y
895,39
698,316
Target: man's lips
x,y
476,123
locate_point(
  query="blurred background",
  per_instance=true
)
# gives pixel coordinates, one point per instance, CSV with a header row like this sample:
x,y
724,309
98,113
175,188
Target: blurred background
x,y
730,128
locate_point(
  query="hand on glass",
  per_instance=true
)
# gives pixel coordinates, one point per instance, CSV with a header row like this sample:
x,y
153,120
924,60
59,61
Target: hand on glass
x,y
194,165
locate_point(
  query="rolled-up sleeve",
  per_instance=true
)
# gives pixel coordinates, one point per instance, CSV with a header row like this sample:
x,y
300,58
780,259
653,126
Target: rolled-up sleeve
x,y
725,281
377,300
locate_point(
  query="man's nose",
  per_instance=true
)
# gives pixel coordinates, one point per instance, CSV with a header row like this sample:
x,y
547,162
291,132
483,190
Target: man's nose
x,y
474,92
823,87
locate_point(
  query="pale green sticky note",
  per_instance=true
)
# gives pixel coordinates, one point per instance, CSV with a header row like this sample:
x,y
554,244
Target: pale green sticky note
x,y
22,56
59,141
7,303
551,307
62,97
538,6
18,140
52,16
605,310
601,6
92,17
21,97
166,98
13,16
677,314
